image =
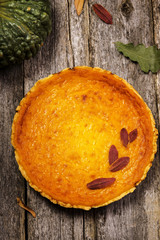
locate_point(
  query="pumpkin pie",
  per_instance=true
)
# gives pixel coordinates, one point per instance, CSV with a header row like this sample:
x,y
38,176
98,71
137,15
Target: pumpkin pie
x,y
83,137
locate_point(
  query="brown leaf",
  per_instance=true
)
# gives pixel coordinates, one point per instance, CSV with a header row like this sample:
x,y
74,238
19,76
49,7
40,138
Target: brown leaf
x,y
119,164
102,13
100,183
133,135
113,154
124,137
22,205
79,6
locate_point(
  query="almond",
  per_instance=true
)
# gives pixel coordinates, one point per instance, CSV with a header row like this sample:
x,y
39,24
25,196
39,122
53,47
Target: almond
x,y
124,137
100,183
133,135
113,154
119,164
102,13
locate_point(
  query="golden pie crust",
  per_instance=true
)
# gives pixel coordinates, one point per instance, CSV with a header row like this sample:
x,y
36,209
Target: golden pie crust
x,y
64,128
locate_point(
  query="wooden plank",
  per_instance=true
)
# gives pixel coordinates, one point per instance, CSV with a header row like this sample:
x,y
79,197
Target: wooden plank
x,y
137,215
156,17
78,233
52,222
79,34
89,225
12,185
79,37
156,24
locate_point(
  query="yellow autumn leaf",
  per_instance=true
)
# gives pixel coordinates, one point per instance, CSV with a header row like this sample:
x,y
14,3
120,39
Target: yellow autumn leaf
x,y
79,6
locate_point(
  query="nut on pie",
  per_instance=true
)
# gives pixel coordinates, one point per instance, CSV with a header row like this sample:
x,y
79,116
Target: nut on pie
x,y
83,137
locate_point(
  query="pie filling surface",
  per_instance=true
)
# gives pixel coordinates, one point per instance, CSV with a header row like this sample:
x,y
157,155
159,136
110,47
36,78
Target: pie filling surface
x,y
63,131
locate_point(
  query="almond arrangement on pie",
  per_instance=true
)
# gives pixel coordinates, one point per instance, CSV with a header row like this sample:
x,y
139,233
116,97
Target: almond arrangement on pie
x,y
83,137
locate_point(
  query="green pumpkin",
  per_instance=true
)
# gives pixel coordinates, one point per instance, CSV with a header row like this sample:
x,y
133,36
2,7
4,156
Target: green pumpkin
x,y
24,25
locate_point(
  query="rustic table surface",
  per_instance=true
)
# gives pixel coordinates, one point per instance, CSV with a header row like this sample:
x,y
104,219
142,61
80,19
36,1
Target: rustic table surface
x,y
83,40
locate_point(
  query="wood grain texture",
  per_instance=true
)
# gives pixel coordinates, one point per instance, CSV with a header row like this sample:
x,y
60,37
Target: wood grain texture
x,y
79,35
12,185
83,40
52,222
156,18
140,218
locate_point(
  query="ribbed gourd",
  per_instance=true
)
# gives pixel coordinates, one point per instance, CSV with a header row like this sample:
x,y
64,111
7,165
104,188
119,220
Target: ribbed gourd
x,y
24,25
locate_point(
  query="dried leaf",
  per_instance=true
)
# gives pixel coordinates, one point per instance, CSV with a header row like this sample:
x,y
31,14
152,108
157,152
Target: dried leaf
x,y
113,154
119,164
102,13
133,135
22,205
100,183
148,58
79,6
124,137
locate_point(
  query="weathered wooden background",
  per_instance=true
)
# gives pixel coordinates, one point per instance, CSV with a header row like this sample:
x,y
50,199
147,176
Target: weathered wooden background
x,y
83,40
